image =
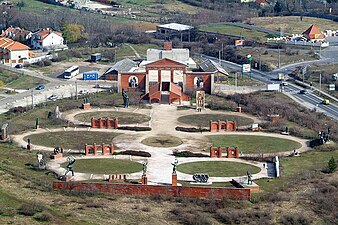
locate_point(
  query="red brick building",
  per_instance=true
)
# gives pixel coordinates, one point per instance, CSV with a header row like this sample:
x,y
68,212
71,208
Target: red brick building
x,y
166,81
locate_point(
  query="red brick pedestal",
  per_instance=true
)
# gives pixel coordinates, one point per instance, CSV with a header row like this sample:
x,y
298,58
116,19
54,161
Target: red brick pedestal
x,y
37,126
174,179
239,109
57,156
29,147
86,106
68,178
144,180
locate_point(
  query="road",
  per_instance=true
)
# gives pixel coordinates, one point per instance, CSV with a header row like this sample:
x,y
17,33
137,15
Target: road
x,y
308,100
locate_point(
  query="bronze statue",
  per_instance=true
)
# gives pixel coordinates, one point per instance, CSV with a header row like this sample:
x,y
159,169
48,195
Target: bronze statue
x,y
249,177
125,98
174,166
71,161
144,168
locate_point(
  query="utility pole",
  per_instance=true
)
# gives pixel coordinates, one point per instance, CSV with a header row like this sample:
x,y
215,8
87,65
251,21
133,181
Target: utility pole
x,y
222,51
76,94
32,98
219,57
320,80
278,57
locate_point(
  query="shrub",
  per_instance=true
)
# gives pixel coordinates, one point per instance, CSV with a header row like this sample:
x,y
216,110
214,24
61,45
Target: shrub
x,y
134,153
292,218
188,154
191,129
30,209
332,165
43,217
135,128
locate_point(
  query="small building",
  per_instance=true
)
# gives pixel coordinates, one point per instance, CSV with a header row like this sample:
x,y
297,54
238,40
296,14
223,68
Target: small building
x,y
12,52
171,30
47,39
123,66
314,34
211,66
16,34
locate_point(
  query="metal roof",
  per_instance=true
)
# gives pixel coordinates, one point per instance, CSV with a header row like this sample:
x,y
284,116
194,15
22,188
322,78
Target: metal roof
x,y
176,26
122,66
212,66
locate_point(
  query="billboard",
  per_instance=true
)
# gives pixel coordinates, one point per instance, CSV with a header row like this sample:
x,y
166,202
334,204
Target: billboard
x,y
246,68
239,42
90,75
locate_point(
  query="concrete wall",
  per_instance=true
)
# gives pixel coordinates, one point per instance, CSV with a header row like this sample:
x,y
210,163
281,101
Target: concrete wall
x,y
151,190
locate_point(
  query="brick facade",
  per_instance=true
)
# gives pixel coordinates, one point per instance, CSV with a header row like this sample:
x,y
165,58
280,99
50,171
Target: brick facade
x,y
151,190
217,126
104,123
92,150
218,151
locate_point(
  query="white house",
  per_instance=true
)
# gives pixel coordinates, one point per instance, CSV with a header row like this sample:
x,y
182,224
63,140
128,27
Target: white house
x,y
47,39
12,52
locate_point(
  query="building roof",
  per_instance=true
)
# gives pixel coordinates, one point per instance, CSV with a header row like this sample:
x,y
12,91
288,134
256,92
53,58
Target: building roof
x,y
125,65
15,33
313,33
45,32
176,26
6,43
211,66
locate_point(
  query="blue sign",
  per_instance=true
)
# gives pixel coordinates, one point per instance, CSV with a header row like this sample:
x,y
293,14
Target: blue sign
x,y
90,76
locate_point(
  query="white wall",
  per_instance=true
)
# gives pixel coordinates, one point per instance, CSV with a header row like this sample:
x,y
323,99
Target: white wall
x,y
52,40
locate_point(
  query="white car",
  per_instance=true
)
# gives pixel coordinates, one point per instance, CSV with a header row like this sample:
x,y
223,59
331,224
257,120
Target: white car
x,y
53,97
83,92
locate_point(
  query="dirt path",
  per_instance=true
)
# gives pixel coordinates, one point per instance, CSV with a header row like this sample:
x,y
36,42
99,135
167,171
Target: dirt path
x,y
163,122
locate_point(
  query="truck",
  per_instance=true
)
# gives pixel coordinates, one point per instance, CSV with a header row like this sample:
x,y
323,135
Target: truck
x,y
281,76
91,75
95,57
326,102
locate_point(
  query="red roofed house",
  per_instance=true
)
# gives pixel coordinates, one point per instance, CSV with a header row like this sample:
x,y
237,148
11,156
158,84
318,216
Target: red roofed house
x,y
12,52
313,34
47,39
16,34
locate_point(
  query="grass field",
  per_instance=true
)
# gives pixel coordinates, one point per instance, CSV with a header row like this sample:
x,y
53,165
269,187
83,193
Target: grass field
x,y
72,140
162,141
226,28
203,119
123,117
293,24
254,144
105,166
125,51
218,169
246,81
18,81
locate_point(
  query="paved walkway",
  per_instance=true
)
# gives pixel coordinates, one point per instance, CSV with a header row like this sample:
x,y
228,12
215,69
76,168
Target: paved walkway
x,y
163,122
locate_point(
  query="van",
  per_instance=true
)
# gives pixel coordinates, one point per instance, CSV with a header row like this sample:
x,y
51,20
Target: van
x,y
326,102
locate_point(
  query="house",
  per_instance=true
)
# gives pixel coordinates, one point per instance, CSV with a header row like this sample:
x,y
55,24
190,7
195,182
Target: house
x,y
181,55
12,52
16,34
220,73
314,34
262,3
47,39
170,30
125,65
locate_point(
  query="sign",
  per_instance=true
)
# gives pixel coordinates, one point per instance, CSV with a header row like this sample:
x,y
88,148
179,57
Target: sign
x,y
153,75
239,42
332,87
249,57
165,76
246,68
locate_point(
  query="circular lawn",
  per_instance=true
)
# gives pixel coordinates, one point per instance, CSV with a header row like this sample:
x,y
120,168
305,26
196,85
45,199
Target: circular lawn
x,y
218,168
105,166
254,144
123,117
204,119
71,139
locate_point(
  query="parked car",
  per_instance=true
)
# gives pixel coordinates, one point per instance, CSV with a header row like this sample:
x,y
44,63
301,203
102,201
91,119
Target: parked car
x,y
83,92
303,92
53,97
284,84
96,86
40,87
18,66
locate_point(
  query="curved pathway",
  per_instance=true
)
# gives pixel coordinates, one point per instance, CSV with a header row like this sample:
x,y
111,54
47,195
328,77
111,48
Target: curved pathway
x,y
163,122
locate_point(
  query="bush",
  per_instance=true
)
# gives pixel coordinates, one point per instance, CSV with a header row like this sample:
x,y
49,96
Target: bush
x,y
43,217
332,165
135,128
188,154
293,218
29,209
191,129
134,153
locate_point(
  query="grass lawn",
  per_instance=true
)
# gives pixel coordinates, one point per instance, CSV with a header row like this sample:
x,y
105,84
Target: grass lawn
x,y
162,141
292,166
226,28
254,144
71,140
203,119
105,166
293,24
25,82
246,81
123,117
218,169
125,51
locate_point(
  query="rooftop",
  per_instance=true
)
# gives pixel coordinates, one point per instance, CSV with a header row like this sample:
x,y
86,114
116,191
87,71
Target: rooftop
x,y
176,26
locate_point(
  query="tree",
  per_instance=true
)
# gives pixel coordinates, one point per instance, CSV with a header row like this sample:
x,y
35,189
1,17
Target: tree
x,y
332,165
2,84
73,32
278,7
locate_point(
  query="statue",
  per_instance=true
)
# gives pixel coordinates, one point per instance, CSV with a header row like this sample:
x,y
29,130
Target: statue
x,y
174,166
286,130
144,168
125,98
37,123
71,161
58,150
41,161
249,177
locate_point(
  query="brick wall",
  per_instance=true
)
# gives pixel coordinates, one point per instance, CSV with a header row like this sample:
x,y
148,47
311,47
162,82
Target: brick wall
x,y
217,126
104,123
190,85
137,189
124,83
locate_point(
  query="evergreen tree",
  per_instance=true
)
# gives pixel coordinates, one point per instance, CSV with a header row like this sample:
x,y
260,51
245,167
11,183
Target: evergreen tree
x,y
332,165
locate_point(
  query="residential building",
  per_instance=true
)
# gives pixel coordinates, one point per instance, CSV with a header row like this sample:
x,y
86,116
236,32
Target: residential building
x,y
314,34
12,52
47,39
16,34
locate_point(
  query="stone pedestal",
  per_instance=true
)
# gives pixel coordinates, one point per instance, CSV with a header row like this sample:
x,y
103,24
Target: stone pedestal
x,y
144,180
174,179
29,147
57,156
37,126
86,106
239,109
